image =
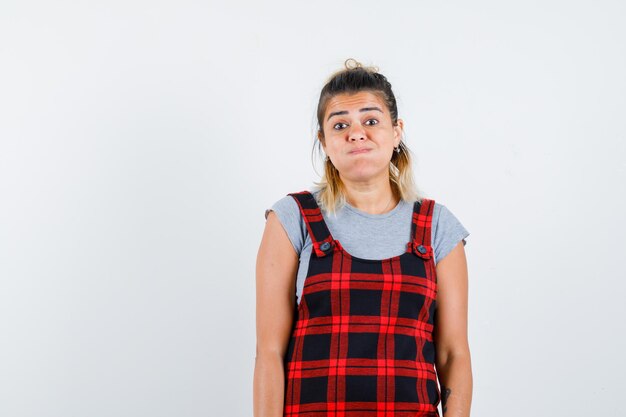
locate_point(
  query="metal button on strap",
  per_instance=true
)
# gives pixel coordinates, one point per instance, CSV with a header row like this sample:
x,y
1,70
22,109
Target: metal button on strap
x,y
421,249
325,246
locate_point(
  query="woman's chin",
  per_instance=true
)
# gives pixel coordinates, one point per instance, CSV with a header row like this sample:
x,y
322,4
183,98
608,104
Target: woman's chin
x,y
362,174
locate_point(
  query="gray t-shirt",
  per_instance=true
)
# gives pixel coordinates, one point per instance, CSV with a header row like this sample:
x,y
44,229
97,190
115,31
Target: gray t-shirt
x,y
367,236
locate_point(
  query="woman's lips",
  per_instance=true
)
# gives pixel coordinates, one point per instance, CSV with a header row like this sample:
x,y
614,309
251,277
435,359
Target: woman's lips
x,y
359,151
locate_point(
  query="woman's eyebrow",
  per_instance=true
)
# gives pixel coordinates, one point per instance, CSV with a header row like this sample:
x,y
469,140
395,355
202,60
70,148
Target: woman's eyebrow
x,y
337,113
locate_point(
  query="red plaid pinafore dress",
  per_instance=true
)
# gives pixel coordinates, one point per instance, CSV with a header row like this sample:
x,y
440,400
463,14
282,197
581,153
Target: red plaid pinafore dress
x,y
362,342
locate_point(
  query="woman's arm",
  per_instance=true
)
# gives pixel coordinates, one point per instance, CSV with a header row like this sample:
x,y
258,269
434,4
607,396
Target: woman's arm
x,y
276,269
453,362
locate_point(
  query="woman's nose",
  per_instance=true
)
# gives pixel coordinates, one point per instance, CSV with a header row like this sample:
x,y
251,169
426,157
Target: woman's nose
x,y
356,132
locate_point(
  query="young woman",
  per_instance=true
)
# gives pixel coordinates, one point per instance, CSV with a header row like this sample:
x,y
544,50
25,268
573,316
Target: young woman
x,y
361,284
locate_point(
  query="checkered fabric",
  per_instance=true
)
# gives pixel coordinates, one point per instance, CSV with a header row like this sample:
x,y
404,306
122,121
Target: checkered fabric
x,y
362,343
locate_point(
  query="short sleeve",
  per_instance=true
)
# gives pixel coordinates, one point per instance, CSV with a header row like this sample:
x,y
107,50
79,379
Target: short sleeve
x,y
288,213
448,231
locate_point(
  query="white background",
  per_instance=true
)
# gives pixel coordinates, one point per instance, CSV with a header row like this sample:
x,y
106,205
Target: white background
x,y
141,142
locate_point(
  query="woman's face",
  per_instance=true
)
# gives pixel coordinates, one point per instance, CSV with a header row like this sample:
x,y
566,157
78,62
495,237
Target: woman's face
x,y
360,136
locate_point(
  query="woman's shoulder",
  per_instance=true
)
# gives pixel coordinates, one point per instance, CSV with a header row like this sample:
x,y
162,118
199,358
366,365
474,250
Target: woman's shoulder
x,y
284,204
288,212
447,231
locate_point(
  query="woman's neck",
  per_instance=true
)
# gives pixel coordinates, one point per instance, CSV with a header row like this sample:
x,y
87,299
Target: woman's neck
x,y
372,201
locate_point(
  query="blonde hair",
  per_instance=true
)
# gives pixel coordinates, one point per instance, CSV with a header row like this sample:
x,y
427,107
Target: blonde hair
x,y
353,79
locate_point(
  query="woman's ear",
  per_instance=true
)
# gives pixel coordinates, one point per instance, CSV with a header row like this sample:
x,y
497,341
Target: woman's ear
x,y
397,132
320,137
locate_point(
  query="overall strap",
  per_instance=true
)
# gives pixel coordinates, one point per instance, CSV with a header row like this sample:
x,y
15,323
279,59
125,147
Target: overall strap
x,y
421,227
321,238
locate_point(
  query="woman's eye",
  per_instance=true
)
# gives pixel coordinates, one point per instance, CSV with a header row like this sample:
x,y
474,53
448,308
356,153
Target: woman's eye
x,y
370,122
